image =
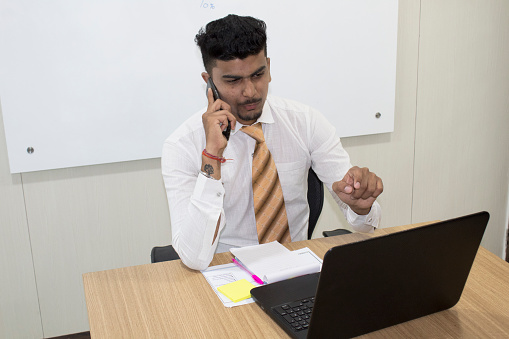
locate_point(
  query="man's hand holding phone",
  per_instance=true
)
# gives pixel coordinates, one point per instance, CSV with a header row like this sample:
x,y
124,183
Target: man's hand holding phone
x,y
215,121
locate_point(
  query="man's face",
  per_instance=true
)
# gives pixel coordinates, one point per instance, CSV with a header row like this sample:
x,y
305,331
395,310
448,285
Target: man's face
x,y
243,84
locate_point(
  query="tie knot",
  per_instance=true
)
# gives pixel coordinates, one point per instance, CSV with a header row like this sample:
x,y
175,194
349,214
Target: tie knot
x,y
254,131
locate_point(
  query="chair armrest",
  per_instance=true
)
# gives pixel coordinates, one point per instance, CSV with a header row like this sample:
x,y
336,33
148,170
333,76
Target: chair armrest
x,y
339,231
164,253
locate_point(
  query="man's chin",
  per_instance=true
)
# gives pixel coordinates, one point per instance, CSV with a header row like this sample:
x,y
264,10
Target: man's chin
x,y
249,117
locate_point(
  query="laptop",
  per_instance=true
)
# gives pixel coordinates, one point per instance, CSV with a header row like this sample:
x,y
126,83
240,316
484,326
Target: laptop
x,y
379,282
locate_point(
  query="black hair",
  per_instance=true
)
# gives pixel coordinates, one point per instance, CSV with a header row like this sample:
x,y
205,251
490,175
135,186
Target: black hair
x,y
232,37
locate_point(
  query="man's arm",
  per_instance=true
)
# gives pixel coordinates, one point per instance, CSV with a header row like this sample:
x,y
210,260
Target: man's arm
x,y
195,192
195,203
215,121
358,189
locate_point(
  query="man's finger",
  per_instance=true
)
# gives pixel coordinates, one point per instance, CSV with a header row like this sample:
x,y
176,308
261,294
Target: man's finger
x,y
232,119
342,187
370,187
348,179
355,176
210,96
224,106
379,188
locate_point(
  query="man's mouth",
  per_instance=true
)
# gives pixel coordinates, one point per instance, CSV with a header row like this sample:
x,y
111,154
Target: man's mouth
x,y
251,105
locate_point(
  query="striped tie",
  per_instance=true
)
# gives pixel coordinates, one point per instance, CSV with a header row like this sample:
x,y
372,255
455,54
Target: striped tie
x,y
269,205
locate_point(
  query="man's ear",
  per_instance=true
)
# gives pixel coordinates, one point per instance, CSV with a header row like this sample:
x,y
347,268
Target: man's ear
x,y
268,68
205,76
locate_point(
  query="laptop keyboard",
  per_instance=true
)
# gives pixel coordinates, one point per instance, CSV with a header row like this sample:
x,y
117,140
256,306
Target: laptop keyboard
x,y
297,314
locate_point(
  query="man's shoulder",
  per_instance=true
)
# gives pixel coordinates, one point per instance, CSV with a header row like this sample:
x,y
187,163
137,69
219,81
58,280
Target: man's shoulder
x,y
190,128
287,105
292,111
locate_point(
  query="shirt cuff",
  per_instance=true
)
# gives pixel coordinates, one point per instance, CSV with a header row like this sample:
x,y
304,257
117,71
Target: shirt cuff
x,y
364,223
208,190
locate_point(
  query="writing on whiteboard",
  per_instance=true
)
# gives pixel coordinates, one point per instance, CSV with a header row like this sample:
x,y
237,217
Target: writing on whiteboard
x,y
207,5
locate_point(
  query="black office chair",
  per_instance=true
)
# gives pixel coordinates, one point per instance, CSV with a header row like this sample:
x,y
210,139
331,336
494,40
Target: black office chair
x,y
315,202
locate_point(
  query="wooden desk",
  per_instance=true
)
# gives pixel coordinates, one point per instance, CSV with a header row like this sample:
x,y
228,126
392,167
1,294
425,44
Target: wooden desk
x,y
168,300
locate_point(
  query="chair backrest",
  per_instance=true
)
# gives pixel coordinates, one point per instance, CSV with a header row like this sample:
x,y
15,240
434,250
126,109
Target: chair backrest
x,y
315,200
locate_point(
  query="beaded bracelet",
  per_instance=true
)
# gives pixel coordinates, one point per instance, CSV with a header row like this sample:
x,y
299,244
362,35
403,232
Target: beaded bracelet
x,y
208,155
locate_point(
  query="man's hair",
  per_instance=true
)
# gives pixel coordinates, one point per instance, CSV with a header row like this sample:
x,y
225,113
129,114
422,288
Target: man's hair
x,y
229,38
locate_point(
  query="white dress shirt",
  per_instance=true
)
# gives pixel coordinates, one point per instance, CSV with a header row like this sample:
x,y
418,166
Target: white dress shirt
x,y
298,137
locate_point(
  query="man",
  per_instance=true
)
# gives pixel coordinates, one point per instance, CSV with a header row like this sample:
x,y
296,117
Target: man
x,y
209,179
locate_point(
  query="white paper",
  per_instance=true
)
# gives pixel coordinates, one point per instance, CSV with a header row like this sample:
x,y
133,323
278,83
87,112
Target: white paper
x,y
251,254
273,262
290,272
224,274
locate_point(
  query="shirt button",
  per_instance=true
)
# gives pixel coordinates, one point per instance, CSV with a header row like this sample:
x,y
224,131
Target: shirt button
x,y
219,194
370,220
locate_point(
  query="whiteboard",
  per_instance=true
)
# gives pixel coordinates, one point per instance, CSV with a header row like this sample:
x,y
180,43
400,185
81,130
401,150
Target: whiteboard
x,y
87,82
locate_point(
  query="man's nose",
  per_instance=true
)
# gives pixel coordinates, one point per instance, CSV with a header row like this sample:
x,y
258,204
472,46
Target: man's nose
x,y
249,88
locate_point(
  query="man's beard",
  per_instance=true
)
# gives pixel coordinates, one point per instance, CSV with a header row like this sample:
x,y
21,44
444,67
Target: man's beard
x,y
250,115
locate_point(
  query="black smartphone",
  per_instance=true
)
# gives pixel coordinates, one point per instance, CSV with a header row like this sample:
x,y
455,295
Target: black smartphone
x,y
210,84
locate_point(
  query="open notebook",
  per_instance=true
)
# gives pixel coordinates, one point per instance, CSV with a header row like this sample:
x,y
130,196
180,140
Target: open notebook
x,y
273,262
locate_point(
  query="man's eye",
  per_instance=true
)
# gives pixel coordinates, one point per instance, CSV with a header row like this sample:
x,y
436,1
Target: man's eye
x,y
257,75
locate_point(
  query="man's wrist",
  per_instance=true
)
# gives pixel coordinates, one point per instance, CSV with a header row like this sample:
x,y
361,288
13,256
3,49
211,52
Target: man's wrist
x,y
218,152
213,157
361,211
211,166
206,175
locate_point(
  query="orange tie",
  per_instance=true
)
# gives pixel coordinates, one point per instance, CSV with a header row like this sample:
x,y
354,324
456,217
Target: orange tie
x,y
269,205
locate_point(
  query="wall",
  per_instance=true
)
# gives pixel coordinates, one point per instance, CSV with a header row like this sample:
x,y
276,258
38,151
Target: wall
x,y
19,307
390,155
461,162
448,156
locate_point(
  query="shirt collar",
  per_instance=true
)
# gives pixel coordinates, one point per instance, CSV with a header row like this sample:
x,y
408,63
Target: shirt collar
x,y
265,118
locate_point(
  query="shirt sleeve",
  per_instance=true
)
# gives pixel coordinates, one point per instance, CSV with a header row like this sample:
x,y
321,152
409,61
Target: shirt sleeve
x,y
363,223
330,162
195,203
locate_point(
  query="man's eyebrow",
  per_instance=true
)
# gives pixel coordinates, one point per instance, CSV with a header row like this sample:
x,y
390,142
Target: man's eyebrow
x,y
234,77
259,70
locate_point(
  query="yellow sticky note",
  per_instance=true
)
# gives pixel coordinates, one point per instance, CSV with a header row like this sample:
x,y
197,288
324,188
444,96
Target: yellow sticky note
x,y
237,291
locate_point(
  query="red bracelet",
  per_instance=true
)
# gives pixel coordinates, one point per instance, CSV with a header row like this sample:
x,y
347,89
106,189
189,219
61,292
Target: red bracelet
x,y
208,155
